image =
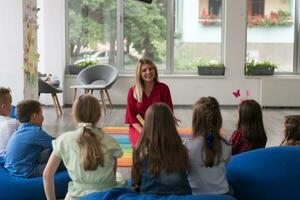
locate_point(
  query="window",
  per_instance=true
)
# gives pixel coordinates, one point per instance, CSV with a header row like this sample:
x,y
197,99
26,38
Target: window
x,y
256,7
271,36
166,31
194,40
92,32
145,32
215,7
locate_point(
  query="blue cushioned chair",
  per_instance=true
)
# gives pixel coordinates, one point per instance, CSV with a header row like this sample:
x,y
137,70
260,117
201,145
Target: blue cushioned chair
x,y
16,188
263,174
125,194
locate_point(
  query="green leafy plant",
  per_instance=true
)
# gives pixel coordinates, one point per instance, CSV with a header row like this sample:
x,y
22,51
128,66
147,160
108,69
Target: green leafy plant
x,y
251,65
85,64
203,62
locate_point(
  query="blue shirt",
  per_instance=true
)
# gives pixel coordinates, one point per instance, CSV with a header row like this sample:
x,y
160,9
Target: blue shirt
x,y
24,148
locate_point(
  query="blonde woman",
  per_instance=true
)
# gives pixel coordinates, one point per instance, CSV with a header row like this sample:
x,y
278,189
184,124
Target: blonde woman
x,y
146,91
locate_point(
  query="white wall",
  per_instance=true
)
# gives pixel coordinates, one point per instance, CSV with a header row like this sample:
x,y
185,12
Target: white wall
x,y
51,45
185,89
11,48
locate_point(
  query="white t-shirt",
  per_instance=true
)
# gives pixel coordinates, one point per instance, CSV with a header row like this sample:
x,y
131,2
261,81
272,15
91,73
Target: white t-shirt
x,y
8,126
207,180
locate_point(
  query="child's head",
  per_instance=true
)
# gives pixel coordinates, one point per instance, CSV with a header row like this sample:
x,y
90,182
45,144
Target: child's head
x,y
206,116
160,141
87,109
5,101
207,122
292,130
30,111
251,123
87,112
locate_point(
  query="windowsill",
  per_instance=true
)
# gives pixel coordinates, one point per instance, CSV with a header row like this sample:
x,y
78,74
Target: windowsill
x,y
167,76
279,76
196,76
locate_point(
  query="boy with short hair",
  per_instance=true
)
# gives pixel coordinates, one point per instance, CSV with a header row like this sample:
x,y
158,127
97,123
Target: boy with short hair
x,y
8,125
29,147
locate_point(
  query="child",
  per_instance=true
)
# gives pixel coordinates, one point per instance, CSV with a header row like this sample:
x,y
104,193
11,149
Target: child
x,y
8,125
160,160
292,130
208,151
250,133
88,154
29,147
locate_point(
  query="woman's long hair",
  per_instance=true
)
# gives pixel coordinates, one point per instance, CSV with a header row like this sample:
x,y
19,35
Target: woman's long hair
x,y
160,143
207,122
87,111
139,83
251,124
292,130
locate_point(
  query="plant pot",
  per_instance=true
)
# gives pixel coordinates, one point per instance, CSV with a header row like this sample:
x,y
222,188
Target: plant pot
x,y
74,70
217,71
263,71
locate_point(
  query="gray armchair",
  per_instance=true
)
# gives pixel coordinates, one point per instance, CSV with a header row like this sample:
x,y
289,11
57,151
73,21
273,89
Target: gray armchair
x,y
46,88
99,77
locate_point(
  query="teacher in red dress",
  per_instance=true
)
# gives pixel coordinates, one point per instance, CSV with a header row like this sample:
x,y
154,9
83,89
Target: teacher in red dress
x,y
146,91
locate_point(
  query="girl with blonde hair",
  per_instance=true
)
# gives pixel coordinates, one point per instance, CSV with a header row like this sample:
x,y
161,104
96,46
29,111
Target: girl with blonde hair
x,y
89,155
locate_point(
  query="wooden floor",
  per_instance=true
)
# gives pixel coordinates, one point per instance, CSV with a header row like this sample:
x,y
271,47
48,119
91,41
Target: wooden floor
x,y
273,120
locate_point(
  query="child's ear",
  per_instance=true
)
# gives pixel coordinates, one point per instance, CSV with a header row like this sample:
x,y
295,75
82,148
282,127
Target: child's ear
x,y
3,107
33,116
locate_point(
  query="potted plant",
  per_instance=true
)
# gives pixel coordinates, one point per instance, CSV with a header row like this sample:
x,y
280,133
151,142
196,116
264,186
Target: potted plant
x,y
75,69
259,68
209,67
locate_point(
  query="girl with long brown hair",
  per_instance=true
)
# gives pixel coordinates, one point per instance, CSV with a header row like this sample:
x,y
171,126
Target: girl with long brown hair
x,y
292,131
250,133
208,151
161,160
88,154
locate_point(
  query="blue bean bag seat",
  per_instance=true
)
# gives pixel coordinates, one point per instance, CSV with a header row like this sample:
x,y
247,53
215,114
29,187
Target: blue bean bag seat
x,y
270,173
16,188
125,194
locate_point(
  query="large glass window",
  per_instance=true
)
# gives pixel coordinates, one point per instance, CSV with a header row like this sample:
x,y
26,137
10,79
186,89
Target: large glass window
x,y
173,33
197,33
145,32
270,32
92,31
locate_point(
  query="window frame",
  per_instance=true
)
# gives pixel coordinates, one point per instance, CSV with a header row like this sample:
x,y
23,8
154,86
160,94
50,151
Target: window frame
x,y
296,44
170,39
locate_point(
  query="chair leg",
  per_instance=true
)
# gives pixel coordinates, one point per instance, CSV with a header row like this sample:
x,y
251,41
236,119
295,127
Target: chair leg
x,y
58,104
108,97
75,93
55,105
103,100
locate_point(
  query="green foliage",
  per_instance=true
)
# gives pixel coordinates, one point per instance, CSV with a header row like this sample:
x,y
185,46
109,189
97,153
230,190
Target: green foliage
x,y
251,64
85,64
203,62
94,21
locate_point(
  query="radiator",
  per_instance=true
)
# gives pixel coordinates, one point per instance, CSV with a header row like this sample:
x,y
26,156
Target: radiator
x,y
278,91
